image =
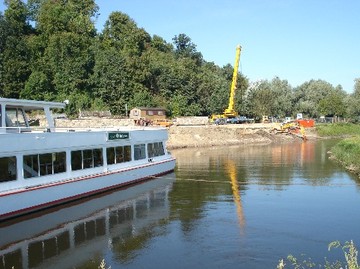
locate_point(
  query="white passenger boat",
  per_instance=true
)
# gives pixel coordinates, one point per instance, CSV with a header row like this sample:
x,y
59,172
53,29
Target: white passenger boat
x,y
42,168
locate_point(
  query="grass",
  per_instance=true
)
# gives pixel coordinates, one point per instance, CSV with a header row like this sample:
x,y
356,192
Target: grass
x,y
338,129
347,152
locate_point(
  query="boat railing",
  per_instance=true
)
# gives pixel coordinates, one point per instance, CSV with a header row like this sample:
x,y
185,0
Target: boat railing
x,y
37,129
14,129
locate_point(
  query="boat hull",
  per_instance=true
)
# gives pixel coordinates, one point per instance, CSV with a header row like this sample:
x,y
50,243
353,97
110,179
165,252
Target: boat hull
x,y
24,201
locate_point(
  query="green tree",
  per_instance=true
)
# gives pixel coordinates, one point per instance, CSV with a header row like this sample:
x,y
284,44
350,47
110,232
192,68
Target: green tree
x,y
184,47
308,95
332,105
121,70
212,89
14,52
352,102
112,83
160,44
282,97
179,106
63,52
122,32
261,99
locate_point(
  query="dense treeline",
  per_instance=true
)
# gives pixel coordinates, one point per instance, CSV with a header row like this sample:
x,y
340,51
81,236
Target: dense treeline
x,y
50,50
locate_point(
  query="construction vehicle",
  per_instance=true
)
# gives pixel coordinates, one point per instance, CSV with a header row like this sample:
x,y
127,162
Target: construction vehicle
x,y
230,110
265,119
290,127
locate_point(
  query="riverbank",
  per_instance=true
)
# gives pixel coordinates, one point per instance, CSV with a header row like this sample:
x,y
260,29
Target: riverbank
x,y
347,151
189,133
225,135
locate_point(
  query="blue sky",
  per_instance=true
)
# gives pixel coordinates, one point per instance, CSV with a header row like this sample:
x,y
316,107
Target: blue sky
x,y
296,40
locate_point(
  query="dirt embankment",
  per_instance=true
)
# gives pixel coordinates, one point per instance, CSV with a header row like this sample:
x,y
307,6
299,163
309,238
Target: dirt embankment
x,y
189,133
213,135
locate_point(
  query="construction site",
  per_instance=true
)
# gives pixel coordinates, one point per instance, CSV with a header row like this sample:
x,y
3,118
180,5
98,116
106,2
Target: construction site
x,y
227,128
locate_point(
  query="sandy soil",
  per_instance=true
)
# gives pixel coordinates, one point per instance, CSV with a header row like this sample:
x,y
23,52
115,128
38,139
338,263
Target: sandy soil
x,y
213,135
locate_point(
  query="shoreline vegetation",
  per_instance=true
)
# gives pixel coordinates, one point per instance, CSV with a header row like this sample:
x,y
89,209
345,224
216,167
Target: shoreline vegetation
x,y
347,151
348,248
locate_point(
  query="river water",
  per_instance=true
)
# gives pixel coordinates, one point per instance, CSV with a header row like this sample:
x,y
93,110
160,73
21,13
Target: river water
x,y
234,207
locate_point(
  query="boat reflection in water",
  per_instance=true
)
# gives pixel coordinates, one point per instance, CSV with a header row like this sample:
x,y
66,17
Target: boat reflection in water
x,y
80,233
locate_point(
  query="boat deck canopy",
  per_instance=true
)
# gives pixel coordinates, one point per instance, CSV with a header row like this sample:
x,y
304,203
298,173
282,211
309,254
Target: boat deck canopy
x,y
30,104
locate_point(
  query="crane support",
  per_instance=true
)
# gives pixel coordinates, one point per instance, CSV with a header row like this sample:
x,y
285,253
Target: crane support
x,y
230,111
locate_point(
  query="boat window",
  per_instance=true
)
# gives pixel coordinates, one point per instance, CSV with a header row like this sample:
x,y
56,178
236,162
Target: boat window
x,y
88,158
76,160
139,152
15,118
110,155
7,169
151,150
98,157
31,166
88,161
155,149
160,149
44,164
118,154
59,162
127,153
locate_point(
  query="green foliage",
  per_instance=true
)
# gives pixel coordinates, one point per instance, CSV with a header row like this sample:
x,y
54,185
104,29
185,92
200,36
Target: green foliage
x,y
332,104
15,56
308,95
338,129
282,98
180,106
63,57
142,99
349,250
121,32
184,47
261,100
37,87
352,102
348,153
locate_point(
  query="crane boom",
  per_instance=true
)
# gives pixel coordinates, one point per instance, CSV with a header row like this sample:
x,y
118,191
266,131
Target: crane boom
x,y
230,111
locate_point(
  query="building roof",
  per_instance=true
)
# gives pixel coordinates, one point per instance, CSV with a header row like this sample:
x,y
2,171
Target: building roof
x,y
150,108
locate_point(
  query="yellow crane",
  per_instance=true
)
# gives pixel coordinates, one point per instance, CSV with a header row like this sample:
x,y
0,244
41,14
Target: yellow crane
x,y
230,111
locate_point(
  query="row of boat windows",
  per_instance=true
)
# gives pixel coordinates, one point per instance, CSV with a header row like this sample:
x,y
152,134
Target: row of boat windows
x,y
52,163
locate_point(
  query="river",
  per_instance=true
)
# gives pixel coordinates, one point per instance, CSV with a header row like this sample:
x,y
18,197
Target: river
x,y
233,207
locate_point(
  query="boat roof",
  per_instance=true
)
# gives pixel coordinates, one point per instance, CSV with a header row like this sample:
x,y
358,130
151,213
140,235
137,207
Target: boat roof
x,y
30,104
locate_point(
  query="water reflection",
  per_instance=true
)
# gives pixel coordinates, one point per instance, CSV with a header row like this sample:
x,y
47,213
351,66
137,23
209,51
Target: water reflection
x,y
231,168
268,165
118,221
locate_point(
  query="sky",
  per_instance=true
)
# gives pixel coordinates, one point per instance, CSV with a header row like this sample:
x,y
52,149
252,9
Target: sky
x,y
295,40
